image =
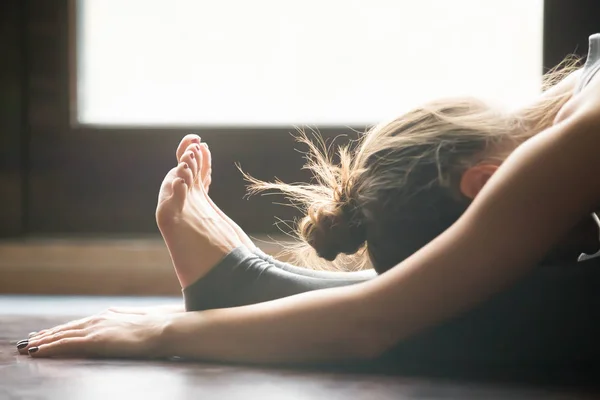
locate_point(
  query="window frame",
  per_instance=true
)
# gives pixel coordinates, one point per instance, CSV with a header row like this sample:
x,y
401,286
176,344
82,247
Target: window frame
x,y
63,151
70,181
94,179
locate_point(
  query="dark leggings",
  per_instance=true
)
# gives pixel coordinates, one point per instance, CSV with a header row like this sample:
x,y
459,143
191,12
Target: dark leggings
x,y
548,319
244,277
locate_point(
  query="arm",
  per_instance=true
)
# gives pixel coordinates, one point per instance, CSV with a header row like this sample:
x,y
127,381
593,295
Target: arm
x,y
537,195
461,267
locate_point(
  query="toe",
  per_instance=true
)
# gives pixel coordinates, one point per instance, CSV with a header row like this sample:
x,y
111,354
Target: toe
x,y
185,143
207,181
185,172
179,192
192,159
206,168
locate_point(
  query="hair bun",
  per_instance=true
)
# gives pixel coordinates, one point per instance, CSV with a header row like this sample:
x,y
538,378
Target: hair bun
x,y
331,231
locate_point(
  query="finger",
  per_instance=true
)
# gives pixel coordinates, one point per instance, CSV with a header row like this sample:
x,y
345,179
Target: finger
x,y
30,336
33,334
52,338
77,324
68,347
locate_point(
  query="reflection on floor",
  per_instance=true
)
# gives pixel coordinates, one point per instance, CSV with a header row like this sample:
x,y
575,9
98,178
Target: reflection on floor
x,y
25,378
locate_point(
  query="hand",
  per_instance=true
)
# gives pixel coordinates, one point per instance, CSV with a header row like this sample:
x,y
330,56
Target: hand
x,y
149,310
108,334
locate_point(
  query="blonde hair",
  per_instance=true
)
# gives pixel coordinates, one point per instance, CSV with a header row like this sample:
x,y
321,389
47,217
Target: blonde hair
x,y
397,187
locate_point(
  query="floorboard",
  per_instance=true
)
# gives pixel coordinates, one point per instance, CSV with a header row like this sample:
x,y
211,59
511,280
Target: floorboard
x,y
24,378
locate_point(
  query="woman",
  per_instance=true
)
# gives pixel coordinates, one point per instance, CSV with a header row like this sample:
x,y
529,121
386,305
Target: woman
x,y
516,215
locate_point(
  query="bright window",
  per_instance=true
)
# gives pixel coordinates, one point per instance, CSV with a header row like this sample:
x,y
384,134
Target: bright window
x,y
296,62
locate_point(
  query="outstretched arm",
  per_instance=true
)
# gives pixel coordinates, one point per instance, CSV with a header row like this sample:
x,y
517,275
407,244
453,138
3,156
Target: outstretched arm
x,y
538,194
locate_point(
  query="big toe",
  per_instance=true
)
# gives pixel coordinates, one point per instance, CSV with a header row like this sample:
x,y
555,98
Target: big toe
x,y
185,143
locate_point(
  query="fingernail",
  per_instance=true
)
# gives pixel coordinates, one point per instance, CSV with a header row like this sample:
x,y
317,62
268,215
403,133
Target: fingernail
x,y
205,145
191,155
185,166
22,344
32,334
33,349
196,140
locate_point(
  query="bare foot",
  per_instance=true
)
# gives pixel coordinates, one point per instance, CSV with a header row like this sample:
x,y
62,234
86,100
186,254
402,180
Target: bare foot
x,y
206,179
196,236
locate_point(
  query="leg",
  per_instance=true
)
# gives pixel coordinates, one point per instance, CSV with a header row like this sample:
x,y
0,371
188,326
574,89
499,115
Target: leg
x,y
185,150
196,236
209,257
244,277
206,179
185,145
359,275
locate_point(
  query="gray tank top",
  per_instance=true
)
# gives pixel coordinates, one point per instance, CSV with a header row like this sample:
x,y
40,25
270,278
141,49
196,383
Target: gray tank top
x,y
592,63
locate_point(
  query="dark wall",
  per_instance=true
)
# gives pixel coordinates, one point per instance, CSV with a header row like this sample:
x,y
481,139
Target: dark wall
x,y
12,129
56,178
567,25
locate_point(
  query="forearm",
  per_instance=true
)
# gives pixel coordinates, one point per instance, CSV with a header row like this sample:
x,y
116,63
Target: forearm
x,y
324,325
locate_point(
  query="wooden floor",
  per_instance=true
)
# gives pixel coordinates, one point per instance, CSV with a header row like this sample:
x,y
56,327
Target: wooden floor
x,y
25,378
